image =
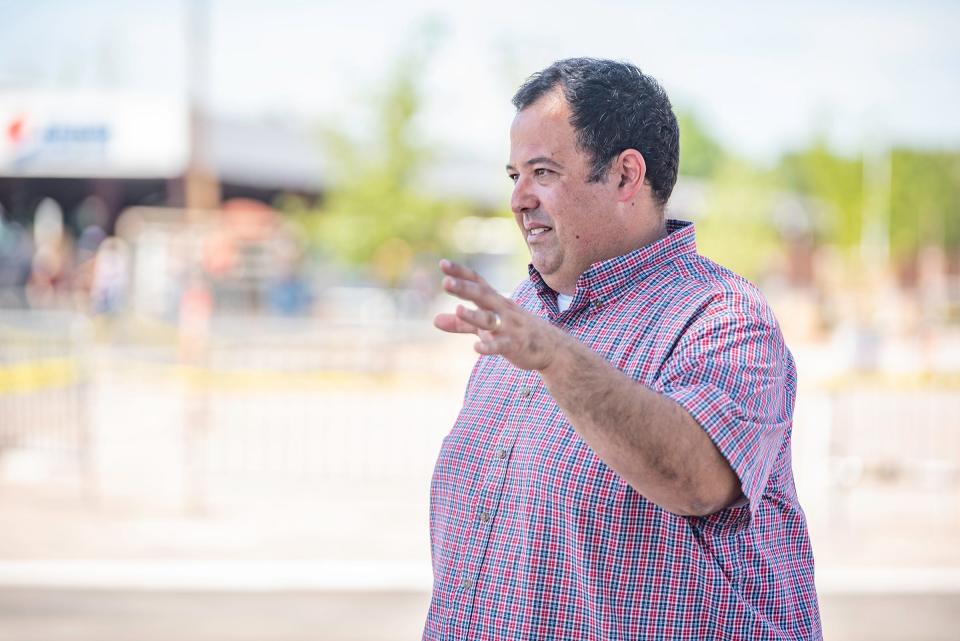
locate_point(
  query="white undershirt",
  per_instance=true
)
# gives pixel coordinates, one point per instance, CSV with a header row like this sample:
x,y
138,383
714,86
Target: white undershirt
x,y
563,301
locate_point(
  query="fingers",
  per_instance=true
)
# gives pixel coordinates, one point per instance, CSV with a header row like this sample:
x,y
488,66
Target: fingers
x,y
466,284
480,319
492,346
457,270
463,282
478,293
467,321
453,324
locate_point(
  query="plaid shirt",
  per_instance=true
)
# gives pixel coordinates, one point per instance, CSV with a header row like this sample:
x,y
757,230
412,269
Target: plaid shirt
x,y
534,537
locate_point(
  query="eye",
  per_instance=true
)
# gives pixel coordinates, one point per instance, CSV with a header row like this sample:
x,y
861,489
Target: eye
x,y
540,172
513,176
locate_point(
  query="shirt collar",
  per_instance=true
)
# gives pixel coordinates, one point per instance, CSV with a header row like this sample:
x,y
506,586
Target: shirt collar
x,y
603,281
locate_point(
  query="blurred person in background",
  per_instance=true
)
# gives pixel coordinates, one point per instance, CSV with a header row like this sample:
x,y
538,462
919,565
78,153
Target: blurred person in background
x,y
621,467
288,292
51,268
16,253
111,277
88,247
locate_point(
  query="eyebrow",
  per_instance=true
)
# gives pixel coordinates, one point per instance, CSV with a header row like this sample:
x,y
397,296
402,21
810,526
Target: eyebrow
x,y
539,160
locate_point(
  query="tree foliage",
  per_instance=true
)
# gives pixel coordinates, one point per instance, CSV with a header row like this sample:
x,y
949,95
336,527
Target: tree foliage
x,y
376,216
916,196
924,201
700,154
836,183
736,227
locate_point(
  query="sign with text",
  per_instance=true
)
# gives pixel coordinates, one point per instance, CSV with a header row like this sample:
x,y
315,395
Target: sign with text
x,y
92,135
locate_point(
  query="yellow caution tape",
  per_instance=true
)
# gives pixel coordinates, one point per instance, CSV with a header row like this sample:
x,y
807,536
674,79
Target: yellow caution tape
x,y
31,376
50,373
245,380
906,381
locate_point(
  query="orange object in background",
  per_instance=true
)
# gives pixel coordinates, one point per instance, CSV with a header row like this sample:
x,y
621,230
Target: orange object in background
x,y
248,220
196,307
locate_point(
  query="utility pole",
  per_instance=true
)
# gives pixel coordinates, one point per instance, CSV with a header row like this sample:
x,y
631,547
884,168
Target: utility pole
x,y
201,186
201,198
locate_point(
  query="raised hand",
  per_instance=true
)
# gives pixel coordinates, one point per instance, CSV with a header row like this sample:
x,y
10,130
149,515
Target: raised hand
x,y
502,326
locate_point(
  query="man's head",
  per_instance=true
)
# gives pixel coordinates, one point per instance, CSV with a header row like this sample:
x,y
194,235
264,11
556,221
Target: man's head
x,y
594,155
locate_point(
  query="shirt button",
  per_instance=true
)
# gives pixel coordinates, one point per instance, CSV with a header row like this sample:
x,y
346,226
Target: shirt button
x,y
501,453
484,516
466,584
526,392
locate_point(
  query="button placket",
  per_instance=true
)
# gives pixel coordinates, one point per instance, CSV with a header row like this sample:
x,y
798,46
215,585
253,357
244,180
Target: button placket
x,y
486,504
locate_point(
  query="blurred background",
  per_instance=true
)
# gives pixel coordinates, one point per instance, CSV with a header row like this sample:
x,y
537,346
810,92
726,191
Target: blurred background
x,y
220,392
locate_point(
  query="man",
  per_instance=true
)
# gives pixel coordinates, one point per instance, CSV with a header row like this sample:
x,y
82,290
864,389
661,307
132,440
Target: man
x,y
621,466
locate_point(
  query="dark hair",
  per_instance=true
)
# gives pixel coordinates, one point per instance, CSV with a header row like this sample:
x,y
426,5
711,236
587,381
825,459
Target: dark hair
x,y
614,107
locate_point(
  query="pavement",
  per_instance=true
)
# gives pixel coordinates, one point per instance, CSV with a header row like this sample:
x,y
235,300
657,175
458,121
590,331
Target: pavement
x,y
112,615
49,614
336,569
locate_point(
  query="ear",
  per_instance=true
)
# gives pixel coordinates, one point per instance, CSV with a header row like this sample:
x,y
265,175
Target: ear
x,y
631,171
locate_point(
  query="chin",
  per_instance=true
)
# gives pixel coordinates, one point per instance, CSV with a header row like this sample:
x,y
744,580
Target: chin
x,y
544,267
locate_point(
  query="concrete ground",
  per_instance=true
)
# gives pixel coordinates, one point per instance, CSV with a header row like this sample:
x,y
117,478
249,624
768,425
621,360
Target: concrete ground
x,y
106,615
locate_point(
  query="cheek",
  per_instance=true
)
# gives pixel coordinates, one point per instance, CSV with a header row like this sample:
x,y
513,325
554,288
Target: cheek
x,y
582,224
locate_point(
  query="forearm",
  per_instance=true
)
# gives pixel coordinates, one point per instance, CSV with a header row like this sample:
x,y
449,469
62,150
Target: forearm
x,y
646,437
652,442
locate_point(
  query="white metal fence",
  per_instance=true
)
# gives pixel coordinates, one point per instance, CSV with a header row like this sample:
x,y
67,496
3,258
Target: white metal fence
x,y
272,407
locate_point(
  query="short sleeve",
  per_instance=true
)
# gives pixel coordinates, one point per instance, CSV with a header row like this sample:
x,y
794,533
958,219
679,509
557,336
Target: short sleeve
x,y
733,373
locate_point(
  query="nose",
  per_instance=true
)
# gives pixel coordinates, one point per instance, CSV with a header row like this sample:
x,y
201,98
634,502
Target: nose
x,y
523,198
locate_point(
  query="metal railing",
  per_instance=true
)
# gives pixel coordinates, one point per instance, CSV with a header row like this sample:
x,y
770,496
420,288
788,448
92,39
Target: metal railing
x,y
901,430
44,393
274,406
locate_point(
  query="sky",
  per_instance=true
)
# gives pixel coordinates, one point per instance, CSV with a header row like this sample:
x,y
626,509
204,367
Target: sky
x,y
763,77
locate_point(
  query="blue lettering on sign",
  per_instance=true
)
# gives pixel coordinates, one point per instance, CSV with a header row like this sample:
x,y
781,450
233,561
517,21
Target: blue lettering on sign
x,y
62,145
79,134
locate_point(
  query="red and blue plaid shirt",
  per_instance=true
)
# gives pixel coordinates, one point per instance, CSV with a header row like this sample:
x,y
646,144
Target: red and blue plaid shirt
x,y
534,537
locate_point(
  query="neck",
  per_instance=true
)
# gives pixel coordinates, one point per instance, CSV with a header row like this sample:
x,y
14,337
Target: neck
x,y
658,232
642,239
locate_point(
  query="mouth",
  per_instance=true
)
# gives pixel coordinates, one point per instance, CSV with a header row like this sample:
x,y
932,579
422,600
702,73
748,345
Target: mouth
x,y
534,233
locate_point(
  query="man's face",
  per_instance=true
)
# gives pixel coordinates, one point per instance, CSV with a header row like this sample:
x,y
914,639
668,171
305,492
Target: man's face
x,y
567,222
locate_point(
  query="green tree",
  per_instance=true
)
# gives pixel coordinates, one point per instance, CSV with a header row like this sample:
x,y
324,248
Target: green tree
x,y
736,227
918,197
836,183
376,216
924,202
700,154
